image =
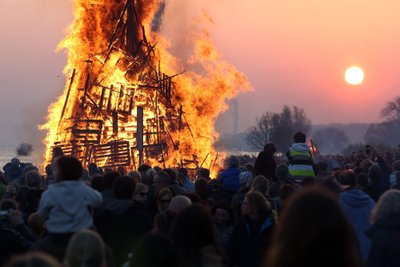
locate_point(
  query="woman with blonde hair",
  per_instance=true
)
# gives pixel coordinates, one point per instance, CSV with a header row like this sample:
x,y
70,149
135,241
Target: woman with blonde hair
x,y
252,234
85,249
385,231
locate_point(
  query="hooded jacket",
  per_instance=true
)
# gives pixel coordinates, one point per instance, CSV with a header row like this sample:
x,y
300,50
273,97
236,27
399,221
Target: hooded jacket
x,y
300,161
357,206
65,206
229,179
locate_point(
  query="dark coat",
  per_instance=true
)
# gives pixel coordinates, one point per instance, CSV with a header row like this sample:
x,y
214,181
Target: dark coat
x,y
13,240
385,245
121,228
265,165
250,241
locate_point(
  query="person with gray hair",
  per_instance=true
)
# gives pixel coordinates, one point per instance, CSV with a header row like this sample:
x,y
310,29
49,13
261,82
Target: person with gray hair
x,y
385,231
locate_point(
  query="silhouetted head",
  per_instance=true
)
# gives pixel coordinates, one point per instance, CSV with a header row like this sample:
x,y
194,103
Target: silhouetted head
x,y
86,248
68,168
143,168
313,231
109,178
193,230
161,180
57,152
348,179
282,172
299,137
256,204
375,173
396,165
203,173
233,161
141,193
388,204
179,203
124,187
163,198
33,259
172,174
154,250
33,179
135,175
270,148
362,180
222,213
97,182
260,184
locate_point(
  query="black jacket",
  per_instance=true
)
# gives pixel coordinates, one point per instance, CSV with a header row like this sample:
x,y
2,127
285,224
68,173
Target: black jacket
x,y
265,165
13,240
385,245
250,241
121,228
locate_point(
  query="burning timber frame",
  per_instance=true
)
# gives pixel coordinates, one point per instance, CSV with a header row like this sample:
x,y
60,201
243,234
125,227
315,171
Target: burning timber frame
x,y
99,126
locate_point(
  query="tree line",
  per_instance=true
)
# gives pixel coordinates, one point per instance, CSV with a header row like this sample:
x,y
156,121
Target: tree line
x,y
279,127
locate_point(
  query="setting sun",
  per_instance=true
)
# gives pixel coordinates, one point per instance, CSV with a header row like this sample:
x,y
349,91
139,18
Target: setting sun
x,y
354,75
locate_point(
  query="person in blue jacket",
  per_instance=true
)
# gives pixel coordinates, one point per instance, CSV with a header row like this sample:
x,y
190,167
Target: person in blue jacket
x,y
229,178
357,207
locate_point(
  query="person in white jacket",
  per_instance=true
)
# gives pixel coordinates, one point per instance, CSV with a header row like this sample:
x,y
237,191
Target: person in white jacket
x,y
66,204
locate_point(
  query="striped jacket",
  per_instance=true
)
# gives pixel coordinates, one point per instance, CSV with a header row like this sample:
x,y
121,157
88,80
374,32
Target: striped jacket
x,y
300,161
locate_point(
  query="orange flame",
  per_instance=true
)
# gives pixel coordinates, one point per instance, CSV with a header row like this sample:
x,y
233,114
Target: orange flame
x,y
201,93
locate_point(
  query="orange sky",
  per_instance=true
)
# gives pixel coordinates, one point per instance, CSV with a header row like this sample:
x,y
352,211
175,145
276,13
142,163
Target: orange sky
x,y
293,52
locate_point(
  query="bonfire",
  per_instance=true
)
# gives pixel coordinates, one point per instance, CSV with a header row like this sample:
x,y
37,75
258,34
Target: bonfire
x,y
128,100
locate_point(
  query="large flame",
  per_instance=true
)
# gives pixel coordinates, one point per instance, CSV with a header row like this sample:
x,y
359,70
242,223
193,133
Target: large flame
x,y
200,95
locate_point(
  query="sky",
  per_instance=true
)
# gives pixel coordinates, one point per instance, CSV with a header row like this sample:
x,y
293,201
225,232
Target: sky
x,y
293,53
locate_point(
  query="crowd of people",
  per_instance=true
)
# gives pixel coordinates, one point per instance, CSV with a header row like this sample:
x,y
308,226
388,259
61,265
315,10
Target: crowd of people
x,y
301,211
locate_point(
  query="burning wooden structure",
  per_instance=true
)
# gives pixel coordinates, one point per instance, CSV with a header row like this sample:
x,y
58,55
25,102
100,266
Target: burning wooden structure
x,y
128,120
126,100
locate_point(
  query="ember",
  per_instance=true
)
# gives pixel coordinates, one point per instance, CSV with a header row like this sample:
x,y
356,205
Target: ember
x,y
127,101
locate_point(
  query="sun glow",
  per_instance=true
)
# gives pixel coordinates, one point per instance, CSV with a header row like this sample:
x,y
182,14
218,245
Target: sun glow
x,y
354,75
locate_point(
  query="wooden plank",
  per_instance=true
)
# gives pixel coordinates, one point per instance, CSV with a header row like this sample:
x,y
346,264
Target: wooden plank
x,y
67,96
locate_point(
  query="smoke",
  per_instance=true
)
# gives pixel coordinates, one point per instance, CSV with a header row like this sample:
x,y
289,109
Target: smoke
x,y
180,22
158,17
24,149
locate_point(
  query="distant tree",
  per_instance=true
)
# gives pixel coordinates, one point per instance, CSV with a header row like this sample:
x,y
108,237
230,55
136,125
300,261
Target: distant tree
x,y
284,130
278,128
391,112
388,131
353,148
330,140
383,133
300,120
261,133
